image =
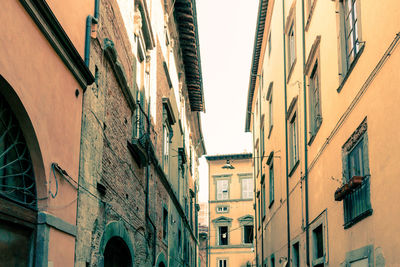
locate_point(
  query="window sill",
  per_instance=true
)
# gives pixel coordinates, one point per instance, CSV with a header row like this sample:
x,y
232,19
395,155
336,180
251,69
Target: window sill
x,y
290,72
351,68
294,168
270,130
271,203
357,219
312,136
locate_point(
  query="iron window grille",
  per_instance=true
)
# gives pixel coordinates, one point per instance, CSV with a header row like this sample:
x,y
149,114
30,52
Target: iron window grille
x,y
17,181
357,204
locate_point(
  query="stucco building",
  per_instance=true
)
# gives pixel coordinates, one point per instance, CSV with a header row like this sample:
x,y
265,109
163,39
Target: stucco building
x,y
322,107
100,133
231,214
42,82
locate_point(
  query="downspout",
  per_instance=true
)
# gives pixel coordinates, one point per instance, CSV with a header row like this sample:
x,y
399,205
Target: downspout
x,y
255,193
90,20
261,173
286,136
305,138
148,189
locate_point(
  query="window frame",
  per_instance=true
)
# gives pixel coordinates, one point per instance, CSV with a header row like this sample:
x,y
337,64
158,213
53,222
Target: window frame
x,y
222,259
320,220
358,140
291,54
165,224
345,68
269,98
218,178
293,139
219,235
271,184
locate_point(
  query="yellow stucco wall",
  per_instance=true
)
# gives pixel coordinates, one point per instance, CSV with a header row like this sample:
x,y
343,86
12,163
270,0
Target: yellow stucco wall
x,y
236,252
342,112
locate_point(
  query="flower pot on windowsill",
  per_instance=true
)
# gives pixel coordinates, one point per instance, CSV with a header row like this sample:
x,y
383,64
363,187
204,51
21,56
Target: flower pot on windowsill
x,y
355,182
341,192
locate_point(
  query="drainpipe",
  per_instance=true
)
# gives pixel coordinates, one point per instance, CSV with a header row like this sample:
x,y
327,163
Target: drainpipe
x,y
261,173
305,138
286,136
90,20
255,195
148,186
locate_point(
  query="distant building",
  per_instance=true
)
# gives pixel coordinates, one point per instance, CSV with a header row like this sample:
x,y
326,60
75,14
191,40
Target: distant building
x,y
203,214
323,107
231,213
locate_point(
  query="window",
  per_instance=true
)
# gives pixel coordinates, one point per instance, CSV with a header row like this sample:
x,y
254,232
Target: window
x,y
357,203
262,146
318,245
248,234
222,209
166,141
269,44
272,260
271,184
351,45
315,100
296,255
291,43
223,235
293,142
223,263
351,30
362,257
165,224
263,198
259,210
247,188
270,111
222,189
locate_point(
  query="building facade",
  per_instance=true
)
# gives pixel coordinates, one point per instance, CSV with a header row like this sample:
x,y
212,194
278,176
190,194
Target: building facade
x,y
141,137
42,82
100,133
231,214
320,127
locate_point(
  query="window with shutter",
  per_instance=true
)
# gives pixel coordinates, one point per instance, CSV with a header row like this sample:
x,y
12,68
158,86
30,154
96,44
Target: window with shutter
x,y
357,204
222,189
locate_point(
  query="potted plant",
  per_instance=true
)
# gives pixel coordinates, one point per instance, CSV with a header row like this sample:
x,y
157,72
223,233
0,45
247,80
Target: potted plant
x,y
355,182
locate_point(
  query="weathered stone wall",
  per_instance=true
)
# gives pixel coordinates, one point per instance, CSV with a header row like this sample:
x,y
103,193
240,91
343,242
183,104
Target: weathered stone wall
x,y
105,158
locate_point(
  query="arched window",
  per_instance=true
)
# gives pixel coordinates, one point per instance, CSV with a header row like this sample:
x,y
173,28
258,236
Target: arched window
x,y
17,181
117,253
17,193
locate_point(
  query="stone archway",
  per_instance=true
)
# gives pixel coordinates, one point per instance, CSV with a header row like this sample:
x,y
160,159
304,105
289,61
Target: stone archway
x,y
161,261
117,254
116,246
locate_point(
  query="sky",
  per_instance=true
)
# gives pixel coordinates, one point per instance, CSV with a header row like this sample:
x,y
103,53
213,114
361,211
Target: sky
x,y
226,36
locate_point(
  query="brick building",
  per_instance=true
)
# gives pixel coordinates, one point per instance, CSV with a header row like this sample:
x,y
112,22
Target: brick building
x,y
141,137
100,133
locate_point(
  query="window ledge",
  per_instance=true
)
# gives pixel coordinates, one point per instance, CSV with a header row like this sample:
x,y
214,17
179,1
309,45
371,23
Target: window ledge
x,y
351,67
271,203
290,72
294,168
313,135
270,130
360,217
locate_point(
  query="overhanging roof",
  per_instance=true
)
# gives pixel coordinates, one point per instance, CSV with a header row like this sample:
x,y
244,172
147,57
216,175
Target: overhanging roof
x,y
258,39
186,18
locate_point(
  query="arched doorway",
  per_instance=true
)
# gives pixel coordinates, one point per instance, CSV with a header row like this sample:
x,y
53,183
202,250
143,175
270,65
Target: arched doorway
x,y
161,264
18,200
117,254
